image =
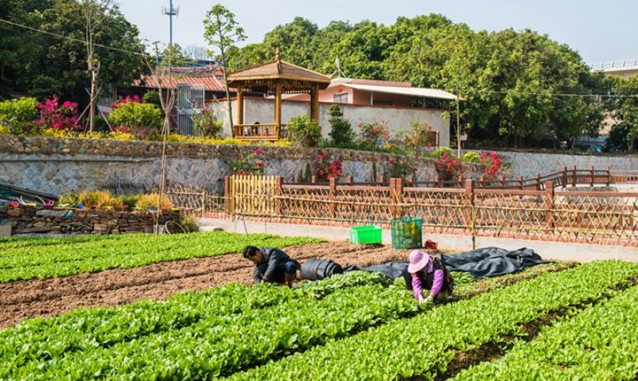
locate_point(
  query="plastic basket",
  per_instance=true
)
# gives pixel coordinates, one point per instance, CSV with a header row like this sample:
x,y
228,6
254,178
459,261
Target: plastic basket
x,y
365,235
406,232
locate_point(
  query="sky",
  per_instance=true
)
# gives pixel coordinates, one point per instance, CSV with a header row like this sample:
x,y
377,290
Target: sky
x,y
599,30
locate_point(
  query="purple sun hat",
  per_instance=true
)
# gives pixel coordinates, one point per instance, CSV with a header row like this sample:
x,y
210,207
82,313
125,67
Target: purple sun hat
x,y
418,261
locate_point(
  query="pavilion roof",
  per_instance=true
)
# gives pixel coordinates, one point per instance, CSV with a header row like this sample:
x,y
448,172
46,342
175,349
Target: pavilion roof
x,y
278,69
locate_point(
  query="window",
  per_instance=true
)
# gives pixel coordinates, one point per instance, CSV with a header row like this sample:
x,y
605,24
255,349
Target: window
x,y
340,98
382,103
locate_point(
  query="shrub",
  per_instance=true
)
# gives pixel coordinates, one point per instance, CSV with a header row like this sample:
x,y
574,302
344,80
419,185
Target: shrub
x,y
341,133
62,117
448,167
375,133
252,164
325,166
304,132
207,124
416,138
140,119
152,96
491,163
95,199
149,201
400,167
471,157
438,153
17,115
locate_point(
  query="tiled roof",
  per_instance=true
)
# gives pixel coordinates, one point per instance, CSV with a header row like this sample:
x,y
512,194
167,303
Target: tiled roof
x,y
278,69
211,78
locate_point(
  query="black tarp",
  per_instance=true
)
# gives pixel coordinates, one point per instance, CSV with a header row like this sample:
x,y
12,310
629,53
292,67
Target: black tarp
x,y
491,261
488,261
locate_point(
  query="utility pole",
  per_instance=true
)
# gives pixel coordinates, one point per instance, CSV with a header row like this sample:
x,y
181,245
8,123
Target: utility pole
x,y
170,12
458,127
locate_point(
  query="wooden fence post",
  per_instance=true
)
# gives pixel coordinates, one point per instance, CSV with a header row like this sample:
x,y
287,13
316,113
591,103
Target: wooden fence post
x,y
592,176
608,176
333,197
538,181
203,203
549,206
564,177
574,180
396,197
279,182
228,204
313,179
470,214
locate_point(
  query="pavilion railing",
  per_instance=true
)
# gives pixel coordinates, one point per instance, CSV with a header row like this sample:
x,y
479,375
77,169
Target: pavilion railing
x,y
257,131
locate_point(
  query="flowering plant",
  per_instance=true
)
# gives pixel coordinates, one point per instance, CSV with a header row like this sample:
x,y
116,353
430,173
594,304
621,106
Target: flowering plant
x,y
400,167
326,167
207,124
252,164
375,133
58,117
135,117
448,167
491,163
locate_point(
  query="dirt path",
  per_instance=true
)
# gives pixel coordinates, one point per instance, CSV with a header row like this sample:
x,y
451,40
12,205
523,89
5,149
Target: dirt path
x,y
40,298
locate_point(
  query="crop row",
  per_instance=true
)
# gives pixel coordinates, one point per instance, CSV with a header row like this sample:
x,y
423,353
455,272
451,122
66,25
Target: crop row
x,y
424,345
88,329
600,343
223,345
85,256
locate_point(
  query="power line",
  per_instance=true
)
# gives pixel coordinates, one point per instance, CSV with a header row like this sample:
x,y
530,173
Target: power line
x,y
69,37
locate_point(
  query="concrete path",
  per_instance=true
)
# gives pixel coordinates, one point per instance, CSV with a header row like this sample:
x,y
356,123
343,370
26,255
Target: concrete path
x,y
547,250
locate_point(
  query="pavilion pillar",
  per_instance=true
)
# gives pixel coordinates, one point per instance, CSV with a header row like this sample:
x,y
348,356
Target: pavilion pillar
x,y
278,108
314,102
240,106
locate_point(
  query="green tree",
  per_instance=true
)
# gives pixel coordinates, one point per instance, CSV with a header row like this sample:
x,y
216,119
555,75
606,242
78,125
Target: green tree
x,y
62,63
222,32
341,133
625,109
20,48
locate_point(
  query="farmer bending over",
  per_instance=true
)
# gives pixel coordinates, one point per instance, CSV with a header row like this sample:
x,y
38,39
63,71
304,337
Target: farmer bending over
x,y
426,272
272,265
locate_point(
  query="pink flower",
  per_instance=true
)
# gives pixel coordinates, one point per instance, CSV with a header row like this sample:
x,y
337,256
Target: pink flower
x,y
258,151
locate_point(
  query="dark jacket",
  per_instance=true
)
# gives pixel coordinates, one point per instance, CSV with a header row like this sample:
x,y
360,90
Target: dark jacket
x,y
272,268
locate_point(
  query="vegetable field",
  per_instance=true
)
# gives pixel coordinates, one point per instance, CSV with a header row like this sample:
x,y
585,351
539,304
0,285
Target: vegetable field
x,y
22,259
557,321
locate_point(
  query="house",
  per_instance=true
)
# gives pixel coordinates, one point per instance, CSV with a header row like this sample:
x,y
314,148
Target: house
x,y
397,103
196,86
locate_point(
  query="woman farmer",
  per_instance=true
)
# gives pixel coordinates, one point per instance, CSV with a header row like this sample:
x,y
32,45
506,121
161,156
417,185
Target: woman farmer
x,y
426,272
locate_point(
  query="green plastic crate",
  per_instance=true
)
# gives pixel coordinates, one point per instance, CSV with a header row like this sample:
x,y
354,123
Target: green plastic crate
x,y
406,232
365,235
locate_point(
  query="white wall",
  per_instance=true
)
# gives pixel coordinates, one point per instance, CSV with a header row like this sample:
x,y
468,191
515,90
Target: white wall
x,y
399,119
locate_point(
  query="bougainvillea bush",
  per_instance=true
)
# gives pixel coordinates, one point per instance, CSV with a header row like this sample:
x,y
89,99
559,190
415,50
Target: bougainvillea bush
x,y
491,163
448,167
54,116
375,133
252,164
325,166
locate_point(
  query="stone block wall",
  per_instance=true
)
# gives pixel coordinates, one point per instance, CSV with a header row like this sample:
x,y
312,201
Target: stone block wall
x,y
62,166
42,220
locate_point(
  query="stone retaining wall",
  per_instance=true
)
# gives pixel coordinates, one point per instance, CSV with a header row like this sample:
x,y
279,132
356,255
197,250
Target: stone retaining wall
x,y
40,220
60,166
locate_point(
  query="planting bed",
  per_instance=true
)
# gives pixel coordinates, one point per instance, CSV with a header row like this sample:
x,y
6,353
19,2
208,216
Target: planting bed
x,y
38,298
551,321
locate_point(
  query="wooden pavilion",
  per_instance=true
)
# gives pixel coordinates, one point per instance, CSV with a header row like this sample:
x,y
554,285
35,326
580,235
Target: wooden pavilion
x,y
274,78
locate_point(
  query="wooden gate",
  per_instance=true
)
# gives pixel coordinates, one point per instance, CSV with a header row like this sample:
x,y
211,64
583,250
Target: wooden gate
x,y
252,195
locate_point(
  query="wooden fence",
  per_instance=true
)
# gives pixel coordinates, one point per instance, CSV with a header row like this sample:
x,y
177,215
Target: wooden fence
x,y
608,218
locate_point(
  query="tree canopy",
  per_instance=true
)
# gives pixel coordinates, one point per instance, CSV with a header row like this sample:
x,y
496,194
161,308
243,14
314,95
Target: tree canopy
x,y
53,59
517,87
